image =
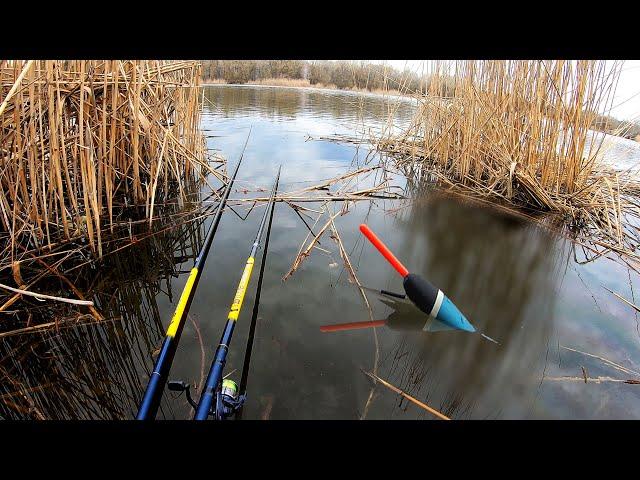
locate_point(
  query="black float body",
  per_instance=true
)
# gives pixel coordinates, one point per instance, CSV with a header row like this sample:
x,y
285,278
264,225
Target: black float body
x,y
422,293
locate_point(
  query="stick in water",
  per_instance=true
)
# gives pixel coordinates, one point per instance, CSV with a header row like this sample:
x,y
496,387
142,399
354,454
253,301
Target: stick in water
x,y
408,397
489,338
47,297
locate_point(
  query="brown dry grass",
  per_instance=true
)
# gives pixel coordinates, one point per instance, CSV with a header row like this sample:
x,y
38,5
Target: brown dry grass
x,y
304,83
282,82
83,141
518,132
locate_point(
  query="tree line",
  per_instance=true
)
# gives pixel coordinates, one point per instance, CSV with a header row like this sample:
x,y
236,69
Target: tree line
x,y
360,75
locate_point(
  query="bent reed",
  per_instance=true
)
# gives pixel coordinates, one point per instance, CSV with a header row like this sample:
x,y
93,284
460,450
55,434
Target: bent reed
x,y
520,133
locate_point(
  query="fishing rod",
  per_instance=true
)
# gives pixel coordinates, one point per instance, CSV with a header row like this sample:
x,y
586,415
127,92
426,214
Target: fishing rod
x,y
424,295
254,318
151,399
220,394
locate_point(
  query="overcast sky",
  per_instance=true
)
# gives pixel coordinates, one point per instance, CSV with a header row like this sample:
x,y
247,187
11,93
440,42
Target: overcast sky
x,y
626,103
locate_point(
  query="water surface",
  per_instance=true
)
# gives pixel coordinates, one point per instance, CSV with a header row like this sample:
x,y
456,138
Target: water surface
x,y
517,283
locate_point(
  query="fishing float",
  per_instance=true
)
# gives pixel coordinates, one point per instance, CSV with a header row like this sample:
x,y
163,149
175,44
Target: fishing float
x,y
422,293
404,318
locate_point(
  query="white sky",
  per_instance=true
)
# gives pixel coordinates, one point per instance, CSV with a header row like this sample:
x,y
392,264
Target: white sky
x,y
626,103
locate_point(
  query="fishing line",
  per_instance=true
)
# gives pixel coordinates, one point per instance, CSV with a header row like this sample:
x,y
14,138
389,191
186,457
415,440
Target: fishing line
x,y
240,216
305,222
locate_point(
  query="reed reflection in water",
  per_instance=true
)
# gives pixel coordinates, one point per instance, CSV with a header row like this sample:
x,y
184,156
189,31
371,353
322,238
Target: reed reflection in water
x,y
288,104
98,369
515,282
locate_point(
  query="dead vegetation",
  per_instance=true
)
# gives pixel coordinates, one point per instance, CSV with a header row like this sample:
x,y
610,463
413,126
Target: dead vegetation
x,y
85,143
498,138
404,394
345,192
95,157
519,133
60,361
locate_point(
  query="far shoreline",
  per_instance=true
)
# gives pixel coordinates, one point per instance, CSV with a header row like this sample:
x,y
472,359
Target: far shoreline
x,y
390,93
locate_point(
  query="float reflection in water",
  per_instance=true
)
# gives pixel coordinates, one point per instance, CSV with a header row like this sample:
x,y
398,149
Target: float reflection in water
x,y
423,294
404,317
504,271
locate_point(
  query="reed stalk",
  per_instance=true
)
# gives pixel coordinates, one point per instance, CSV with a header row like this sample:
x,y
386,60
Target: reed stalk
x,y
83,143
58,362
521,133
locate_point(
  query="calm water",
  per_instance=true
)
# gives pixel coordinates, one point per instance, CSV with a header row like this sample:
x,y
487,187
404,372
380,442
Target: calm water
x,y
515,282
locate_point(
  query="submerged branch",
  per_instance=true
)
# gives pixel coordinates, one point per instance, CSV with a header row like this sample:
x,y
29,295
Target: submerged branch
x,y
46,297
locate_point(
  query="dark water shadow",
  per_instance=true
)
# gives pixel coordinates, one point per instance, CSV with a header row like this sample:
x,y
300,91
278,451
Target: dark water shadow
x,y
502,273
87,369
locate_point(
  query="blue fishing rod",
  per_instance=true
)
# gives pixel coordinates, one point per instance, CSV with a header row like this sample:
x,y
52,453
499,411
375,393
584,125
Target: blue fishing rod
x,y
220,397
153,394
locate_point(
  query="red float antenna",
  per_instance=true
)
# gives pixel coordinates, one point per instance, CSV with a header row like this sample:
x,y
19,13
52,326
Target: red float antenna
x,y
384,250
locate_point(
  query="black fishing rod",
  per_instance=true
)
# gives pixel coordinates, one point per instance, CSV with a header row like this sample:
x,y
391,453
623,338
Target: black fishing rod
x,y
151,400
223,395
254,318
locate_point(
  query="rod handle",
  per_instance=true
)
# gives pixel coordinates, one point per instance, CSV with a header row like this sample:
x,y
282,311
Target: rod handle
x,y
384,250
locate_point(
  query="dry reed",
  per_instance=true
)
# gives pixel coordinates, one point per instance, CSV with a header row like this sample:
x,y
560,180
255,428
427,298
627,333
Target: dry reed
x,y
58,363
344,191
519,132
83,143
404,394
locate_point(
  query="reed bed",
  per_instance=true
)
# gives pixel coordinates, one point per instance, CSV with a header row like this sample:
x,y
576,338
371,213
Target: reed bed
x,y
85,145
57,362
520,133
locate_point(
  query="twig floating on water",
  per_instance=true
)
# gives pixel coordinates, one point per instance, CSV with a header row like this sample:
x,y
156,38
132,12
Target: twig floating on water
x,y
407,396
354,279
592,380
623,299
608,362
489,338
303,254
